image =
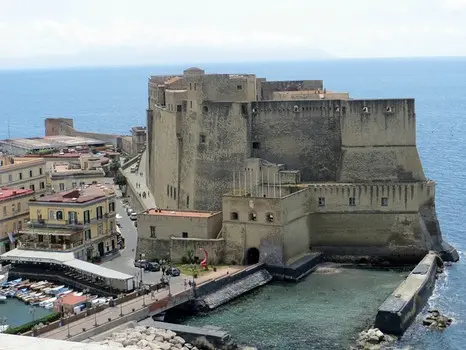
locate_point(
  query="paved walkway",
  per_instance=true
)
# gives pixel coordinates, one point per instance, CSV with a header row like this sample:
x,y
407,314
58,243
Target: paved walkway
x,y
137,182
139,303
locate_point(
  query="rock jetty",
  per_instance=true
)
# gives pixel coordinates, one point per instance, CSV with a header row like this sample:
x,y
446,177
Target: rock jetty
x,y
436,321
150,338
373,339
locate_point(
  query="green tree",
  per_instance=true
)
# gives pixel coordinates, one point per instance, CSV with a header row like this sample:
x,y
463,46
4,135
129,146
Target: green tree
x,y
114,167
120,180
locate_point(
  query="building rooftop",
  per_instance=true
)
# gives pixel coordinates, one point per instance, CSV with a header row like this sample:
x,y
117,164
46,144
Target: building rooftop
x,y
181,213
51,142
7,193
71,299
11,163
81,195
63,170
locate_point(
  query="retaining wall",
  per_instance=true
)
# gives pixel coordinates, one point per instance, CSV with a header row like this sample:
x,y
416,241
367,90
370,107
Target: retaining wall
x,y
400,309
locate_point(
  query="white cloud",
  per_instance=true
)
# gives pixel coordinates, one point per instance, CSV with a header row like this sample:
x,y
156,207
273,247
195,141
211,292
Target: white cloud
x,y
360,28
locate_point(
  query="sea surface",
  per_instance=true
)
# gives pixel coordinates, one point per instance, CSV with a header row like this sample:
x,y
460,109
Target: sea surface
x,y
115,99
15,312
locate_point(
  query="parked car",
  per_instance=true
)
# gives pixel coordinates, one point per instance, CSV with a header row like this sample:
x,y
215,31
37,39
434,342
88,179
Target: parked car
x,y
133,216
173,271
152,266
140,263
129,211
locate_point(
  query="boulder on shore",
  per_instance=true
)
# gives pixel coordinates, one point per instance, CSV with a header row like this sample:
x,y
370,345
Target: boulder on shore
x,y
437,321
373,339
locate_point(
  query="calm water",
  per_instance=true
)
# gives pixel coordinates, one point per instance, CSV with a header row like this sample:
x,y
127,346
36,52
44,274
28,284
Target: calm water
x,y
16,313
113,100
324,311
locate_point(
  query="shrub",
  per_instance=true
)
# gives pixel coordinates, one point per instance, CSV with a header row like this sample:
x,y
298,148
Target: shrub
x,y
184,260
28,326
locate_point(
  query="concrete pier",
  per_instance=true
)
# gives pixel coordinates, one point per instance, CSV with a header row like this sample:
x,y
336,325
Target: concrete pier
x,y
400,309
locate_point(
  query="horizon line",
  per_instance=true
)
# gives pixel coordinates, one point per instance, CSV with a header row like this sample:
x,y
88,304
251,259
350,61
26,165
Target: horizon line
x,y
242,61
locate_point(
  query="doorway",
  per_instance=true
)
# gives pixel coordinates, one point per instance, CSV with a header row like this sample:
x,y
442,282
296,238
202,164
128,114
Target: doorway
x,y
252,256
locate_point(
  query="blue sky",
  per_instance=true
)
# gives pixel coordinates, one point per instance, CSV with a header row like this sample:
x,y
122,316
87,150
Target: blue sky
x,y
70,32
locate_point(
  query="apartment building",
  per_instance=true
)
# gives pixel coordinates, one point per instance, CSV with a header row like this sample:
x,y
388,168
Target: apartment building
x,y
23,173
14,215
81,221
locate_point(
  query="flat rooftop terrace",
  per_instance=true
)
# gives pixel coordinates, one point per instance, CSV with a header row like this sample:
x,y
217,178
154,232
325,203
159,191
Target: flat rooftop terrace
x,y
51,142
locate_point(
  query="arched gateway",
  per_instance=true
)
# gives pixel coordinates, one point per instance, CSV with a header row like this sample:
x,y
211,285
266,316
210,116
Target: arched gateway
x,y
252,256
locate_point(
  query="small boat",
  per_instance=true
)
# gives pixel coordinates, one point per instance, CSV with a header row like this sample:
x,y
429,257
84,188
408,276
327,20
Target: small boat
x,y
80,294
47,301
3,279
2,299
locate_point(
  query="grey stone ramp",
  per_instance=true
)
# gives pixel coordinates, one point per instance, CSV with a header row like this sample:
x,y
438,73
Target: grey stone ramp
x,y
237,288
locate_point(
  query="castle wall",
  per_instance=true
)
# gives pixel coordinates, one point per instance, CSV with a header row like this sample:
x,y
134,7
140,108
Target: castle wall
x,y
379,143
164,173
296,223
304,135
219,152
215,249
228,88
242,233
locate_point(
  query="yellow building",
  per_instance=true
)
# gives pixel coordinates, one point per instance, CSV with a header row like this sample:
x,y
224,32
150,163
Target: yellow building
x,y
81,221
23,173
14,214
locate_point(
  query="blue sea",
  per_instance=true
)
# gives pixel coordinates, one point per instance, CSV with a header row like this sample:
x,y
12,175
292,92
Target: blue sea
x,y
115,99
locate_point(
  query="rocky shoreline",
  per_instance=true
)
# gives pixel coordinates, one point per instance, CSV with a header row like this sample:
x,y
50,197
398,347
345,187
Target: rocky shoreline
x,y
150,338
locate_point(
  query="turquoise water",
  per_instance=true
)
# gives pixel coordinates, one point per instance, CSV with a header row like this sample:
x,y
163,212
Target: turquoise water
x,y
115,99
324,311
17,313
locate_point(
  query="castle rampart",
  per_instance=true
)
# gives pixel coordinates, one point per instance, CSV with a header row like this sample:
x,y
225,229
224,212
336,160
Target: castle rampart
x,y
363,190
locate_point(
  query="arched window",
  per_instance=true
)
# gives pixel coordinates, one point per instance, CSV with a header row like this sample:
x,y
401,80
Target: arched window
x,y
252,216
234,215
269,217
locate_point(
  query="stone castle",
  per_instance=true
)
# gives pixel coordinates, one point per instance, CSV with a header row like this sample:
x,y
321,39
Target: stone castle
x,y
294,168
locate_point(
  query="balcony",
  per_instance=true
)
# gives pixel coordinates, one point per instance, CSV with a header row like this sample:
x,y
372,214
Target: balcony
x,y
66,246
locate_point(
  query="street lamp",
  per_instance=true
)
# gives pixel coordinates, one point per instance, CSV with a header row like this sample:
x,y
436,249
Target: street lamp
x,y
141,256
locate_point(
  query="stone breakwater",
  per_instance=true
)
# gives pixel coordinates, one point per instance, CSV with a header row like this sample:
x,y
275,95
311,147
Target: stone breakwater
x,y
150,338
373,339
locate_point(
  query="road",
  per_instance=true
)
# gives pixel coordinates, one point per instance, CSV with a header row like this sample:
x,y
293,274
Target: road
x,y
125,261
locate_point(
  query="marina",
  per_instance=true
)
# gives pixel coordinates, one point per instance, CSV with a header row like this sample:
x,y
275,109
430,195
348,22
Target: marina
x,y
36,299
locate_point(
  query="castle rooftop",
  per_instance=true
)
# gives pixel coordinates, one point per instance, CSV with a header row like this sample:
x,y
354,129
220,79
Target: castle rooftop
x,y
180,213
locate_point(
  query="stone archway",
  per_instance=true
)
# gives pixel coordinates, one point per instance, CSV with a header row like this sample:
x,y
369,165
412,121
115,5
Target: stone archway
x,y
252,256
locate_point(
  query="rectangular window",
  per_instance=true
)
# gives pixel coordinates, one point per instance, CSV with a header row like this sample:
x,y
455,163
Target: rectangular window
x,y
321,201
179,108
184,234
190,104
62,187
256,145
87,217
384,201
168,190
111,206
10,178
202,138
100,229
187,201
72,218
352,201
30,173
195,86
32,187
171,192
174,193
99,211
40,171
20,176
4,211
19,207
87,235
74,184
42,185
152,232
239,87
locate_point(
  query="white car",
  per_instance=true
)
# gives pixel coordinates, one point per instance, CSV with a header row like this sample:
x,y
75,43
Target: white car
x,y
133,216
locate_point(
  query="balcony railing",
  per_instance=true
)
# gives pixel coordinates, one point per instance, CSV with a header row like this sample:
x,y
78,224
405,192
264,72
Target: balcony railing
x,y
50,246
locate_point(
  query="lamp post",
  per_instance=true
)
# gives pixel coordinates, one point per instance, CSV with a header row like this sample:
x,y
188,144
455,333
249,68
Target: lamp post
x,y
121,308
32,311
141,256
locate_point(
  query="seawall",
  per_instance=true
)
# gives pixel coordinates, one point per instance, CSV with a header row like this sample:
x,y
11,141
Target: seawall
x,y
220,291
400,309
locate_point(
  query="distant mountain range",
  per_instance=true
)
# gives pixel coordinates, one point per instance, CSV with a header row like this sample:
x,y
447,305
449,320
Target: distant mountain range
x,y
124,56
